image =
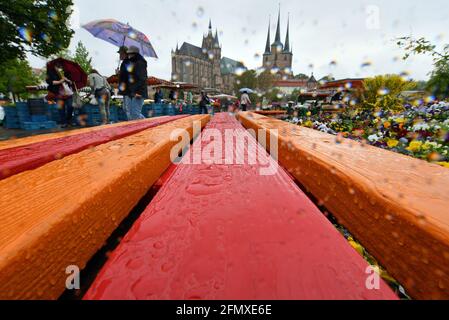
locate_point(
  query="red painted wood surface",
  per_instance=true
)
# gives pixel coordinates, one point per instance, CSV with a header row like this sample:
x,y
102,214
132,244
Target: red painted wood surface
x,y
31,156
217,231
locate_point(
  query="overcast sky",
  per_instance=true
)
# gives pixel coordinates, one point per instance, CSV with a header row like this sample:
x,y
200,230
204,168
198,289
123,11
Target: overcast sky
x,y
349,32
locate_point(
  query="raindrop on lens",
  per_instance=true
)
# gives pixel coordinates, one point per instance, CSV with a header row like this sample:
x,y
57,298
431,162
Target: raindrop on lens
x,y
383,92
239,71
200,12
274,70
366,64
26,34
53,15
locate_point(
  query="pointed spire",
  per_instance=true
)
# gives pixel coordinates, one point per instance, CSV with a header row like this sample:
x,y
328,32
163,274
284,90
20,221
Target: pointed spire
x,y
210,25
287,38
177,46
277,40
312,78
267,47
216,38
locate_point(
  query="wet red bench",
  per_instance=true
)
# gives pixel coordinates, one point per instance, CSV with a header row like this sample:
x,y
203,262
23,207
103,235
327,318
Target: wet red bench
x,y
225,231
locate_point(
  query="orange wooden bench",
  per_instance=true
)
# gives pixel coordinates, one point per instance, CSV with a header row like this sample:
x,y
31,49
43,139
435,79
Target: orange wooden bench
x,y
271,112
34,155
62,213
396,206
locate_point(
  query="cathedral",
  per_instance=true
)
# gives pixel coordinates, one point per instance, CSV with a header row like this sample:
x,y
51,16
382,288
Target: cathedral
x,y
204,66
278,56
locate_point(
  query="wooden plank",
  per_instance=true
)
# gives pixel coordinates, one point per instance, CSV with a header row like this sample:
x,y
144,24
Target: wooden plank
x,y
217,231
396,206
13,143
61,214
271,112
32,156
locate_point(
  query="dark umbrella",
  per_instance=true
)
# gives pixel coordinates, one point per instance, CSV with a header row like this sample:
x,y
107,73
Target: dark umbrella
x,y
152,81
72,71
113,79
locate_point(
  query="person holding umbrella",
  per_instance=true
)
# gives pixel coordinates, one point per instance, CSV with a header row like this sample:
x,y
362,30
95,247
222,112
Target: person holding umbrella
x,y
123,55
133,83
123,35
245,101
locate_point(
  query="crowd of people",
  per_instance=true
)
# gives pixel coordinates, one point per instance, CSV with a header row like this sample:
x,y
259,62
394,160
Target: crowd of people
x,y
132,85
132,75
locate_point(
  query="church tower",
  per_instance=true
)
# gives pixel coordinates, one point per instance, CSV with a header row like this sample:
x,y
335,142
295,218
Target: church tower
x,y
211,47
278,56
267,53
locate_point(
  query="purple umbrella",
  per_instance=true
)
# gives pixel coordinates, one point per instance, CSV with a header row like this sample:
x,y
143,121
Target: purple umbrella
x,y
121,34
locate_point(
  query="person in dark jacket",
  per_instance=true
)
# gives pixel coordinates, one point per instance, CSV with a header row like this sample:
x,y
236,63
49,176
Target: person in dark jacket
x,y
60,88
204,102
158,96
134,80
123,77
172,95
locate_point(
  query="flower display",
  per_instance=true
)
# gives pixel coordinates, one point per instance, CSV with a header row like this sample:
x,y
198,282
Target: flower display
x,y
421,131
415,146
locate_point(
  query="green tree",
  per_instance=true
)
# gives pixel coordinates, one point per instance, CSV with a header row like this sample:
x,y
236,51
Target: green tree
x,y
15,77
294,96
421,85
414,46
327,78
439,77
247,79
274,95
38,27
384,92
64,53
301,76
265,81
438,83
82,57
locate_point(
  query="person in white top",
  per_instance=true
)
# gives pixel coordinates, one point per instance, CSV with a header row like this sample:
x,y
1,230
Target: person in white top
x,y
101,90
245,101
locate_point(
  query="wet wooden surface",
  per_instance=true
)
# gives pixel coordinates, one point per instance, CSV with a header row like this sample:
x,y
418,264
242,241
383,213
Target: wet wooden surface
x,y
226,231
61,213
395,205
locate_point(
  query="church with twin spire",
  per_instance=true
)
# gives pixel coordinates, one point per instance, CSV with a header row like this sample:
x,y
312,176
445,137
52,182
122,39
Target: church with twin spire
x,y
204,66
278,56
